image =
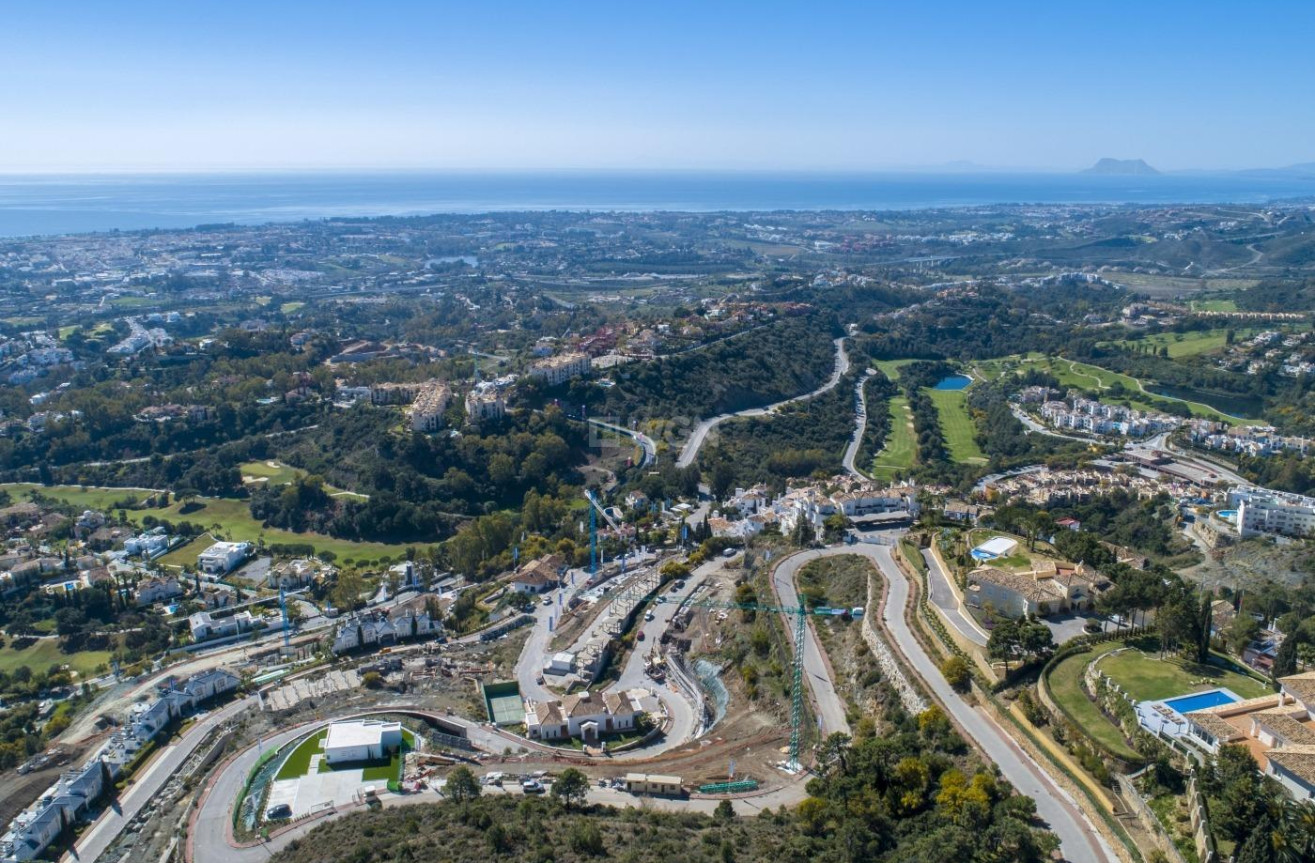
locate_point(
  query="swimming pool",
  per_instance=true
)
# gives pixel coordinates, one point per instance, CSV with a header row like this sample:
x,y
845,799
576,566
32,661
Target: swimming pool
x,y
1227,514
1200,701
978,554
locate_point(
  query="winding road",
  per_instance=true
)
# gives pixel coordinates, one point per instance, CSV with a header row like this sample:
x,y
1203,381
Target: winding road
x,y
1078,838
644,442
691,449
209,838
860,426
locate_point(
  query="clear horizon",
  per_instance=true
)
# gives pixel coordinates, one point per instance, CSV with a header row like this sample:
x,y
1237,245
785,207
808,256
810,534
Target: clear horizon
x,y
148,87
945,169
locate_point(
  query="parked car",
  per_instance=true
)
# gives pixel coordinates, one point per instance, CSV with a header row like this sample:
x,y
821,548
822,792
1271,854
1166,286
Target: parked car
x,y
277,811
531,786
648,615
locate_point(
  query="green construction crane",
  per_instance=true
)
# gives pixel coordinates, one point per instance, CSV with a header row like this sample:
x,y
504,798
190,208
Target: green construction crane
x,y
800,614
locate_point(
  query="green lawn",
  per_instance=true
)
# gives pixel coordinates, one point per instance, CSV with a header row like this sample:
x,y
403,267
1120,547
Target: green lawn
x,y
298,762
1145,676
957,426
1066,687
1189,344
897,454
1214,305
890,368
289,308
1088,377
46,653
273,472
230,514
392,770
278,473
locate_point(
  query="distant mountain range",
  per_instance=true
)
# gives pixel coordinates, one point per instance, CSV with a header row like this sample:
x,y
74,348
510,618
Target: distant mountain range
x,y
1121,167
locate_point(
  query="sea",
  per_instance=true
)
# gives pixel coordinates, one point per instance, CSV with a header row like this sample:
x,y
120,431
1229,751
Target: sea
x,y
40,205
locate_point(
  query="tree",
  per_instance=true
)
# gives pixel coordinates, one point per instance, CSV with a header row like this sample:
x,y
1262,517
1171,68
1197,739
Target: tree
x,y
372,680
834,526
956,672
1258,846
462,786
833,753
346,593
725,812
803,534
572,787
1035,639
1004,642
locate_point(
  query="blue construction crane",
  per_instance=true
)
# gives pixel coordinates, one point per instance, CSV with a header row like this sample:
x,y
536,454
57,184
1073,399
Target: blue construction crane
x,y
800,614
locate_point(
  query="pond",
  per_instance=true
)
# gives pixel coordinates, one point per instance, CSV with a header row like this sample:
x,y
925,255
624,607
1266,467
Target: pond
x,y
954,382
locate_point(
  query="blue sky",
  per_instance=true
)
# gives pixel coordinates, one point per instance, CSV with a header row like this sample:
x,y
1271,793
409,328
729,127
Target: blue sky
x,y
138,85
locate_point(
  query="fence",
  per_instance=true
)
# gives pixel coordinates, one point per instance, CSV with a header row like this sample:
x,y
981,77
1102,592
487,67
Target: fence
x,y
1205,841
1149,822
909,697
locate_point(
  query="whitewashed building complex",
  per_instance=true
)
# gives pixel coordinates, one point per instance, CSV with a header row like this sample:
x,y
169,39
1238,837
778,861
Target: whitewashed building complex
x,y
73,796
1261,511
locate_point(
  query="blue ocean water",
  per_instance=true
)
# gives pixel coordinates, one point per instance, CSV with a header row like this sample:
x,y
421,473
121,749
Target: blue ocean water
x,y
66,204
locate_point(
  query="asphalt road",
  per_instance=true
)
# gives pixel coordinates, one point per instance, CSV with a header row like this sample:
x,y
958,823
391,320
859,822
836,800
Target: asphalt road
x,y
828,703
860,427
690,451
938,581
92,844
644,441
1078,839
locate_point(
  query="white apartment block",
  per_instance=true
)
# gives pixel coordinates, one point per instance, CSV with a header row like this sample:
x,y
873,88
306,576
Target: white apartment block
x,y
1262,511
560,369
485,404
429,406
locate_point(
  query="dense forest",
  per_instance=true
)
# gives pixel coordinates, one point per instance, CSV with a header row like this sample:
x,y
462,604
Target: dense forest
x,y
798,440
774,362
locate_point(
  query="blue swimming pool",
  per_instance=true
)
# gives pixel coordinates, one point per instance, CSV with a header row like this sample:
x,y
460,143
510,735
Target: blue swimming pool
x,y
954,382
1227,514
1200,701
978,554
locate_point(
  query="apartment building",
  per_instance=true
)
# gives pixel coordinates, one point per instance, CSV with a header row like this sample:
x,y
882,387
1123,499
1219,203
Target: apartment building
x,y
485,405
1262,511
429,406
560,369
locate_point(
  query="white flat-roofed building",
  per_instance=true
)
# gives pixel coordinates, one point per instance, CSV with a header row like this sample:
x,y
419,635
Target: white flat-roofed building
x,y
999,546
204,626
1261,511
361,740
223,557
